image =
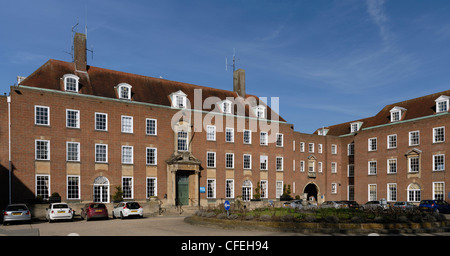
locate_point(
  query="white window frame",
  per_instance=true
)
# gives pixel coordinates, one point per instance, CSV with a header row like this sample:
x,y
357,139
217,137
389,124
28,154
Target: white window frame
x,y
78,187
249,136
36,150
249,158
434,162
264,191
319,148
179,100
333,149
106,153
302,166
302,146
123,156
372,144
410,134
260,111
147,188
392,192
211,133
279,163
434,134
71,76
263,139
211,182
372,197
36,187
36,119
77,153
77,118
389,170
226,106
131,187
442,100
351,149
311,147
435,193
148,126
264,159
372,171
410,162
392,141
227,166
207,159
229,188
229,134
127,128
180,139
333,167
280,140
155,156
98,122
120,91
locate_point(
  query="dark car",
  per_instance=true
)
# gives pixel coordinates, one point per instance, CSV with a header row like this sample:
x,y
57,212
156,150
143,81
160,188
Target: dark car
x,y
350,204
439,206
94,210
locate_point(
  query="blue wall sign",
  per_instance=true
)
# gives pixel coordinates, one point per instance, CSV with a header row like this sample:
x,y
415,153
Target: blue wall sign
x,y
202,190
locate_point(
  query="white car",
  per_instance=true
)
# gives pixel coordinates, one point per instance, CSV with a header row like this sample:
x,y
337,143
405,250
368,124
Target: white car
x,y
59,211
127,209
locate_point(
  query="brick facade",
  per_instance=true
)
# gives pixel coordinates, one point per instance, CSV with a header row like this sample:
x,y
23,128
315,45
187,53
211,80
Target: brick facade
x,y
313,165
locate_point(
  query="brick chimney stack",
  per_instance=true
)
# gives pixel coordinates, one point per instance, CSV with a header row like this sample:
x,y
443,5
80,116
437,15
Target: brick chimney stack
x,y
79,45
239,82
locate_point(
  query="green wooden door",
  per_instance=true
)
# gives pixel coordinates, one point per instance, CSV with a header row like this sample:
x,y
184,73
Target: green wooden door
x,y
182,189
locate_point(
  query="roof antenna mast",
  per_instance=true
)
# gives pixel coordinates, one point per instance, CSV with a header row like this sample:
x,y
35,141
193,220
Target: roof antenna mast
x,y
234,61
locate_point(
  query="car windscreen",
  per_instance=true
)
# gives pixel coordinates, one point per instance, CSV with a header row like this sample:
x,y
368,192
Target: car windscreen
x,y
16,208
133,205
60,206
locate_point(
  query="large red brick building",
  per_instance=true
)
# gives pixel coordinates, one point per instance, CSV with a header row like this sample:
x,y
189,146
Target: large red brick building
x,y
82,131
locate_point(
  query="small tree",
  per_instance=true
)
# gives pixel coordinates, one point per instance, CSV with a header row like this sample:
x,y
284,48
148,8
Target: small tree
x,y
118,196
257,192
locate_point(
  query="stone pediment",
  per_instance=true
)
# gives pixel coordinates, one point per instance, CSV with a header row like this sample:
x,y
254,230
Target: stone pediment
x,y
183,158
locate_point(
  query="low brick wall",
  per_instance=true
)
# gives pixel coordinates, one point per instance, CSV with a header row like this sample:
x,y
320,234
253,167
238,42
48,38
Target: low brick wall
x,y
317,227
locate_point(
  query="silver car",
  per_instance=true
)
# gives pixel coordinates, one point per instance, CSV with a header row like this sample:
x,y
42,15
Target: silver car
x,y
16,212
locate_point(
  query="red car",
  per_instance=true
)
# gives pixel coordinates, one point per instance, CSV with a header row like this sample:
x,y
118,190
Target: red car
x,y
94,210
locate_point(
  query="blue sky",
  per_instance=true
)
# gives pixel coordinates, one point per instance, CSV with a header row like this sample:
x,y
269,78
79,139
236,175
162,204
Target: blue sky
x,y
328,61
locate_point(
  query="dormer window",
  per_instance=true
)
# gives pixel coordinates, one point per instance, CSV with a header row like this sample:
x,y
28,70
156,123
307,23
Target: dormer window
x,y
396,113
322,131
355,126
71,83
226,106
124,91
442,104
178,99
260,111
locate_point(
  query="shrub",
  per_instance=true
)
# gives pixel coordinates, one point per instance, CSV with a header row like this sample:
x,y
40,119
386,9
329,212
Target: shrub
x,y
233,217
332,219
265,218
287,218
222,215
357,219
402,219
310,218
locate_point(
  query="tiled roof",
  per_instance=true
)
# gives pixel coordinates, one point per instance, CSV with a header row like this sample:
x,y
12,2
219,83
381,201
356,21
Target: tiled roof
x,y
415,108
101,82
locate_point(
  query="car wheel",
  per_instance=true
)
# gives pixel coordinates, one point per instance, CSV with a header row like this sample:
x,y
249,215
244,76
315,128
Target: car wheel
x,y
113,216
121,215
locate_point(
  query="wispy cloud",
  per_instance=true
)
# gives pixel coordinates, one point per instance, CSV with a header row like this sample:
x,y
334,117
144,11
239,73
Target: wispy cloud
x,y
376,10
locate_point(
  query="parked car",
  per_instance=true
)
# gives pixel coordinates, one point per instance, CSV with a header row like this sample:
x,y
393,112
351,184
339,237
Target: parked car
x,y
93,211
331,204
350,204
59,211
127,209
439,206
404,205
16,212
377,204
296,203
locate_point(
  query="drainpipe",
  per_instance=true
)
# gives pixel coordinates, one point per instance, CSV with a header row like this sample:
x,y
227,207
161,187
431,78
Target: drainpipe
x,y
8,99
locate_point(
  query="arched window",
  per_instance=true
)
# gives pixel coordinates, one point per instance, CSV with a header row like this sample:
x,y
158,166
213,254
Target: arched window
x,y
247,190
71,83
414,192
101,190
124,91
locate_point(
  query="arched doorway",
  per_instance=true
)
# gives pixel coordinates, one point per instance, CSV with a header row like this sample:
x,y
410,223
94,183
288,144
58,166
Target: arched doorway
x,y
101,190
311,191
